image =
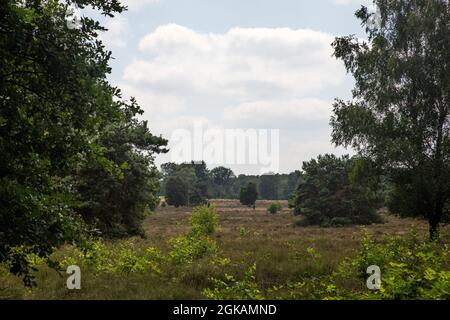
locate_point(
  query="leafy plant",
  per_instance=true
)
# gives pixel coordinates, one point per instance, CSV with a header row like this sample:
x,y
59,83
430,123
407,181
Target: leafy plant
x,y
232,289
274,207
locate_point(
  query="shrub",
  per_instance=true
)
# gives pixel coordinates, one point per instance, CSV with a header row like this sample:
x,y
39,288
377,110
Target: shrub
x,y
124,259
411,268
232,289
203,220
196,244
187,248
274,207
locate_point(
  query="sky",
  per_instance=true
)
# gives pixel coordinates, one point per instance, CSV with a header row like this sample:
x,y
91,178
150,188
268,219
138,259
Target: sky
x,y
222,65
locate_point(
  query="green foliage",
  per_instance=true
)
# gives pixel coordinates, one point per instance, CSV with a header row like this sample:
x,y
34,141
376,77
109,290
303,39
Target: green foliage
x,y
330,194
232,289
55,102
186,183
196,244
116,201
399,115
221,181
187,248
176,192
204,220
248,195
268,187
411,268
124,259
274,207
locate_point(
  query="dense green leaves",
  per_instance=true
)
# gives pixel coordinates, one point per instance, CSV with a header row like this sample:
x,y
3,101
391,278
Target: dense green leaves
x,y
115,197
176,192
57,112
400,112
186,183
330,193
249,195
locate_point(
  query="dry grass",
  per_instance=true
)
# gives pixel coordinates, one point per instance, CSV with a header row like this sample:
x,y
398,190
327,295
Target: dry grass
x,y
245,236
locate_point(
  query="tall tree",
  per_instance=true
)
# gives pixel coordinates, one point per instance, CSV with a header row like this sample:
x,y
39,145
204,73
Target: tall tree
x,y
54,100
400,112
116,196
334,192
221,179
177,192
268,186
248,195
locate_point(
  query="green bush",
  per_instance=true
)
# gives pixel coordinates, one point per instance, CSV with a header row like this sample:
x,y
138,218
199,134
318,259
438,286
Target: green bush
x,y
196,244
203,220
411,268
274,207
232,289
124,259
187,248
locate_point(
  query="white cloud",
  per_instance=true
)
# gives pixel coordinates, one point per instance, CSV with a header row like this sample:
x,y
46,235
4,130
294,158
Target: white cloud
x,y
279,113
367,3
248,64
137,4
117,34
243,78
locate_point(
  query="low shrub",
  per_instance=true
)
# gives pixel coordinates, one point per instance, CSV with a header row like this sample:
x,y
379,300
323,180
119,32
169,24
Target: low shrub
x,y
411,268
203,220
231,289
196,244
187,248
274,207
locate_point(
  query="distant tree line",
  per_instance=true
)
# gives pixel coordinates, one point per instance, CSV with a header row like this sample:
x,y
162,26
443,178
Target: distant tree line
x,y
193,183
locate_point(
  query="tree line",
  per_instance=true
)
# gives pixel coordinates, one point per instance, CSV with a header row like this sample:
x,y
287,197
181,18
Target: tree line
x,y
193,183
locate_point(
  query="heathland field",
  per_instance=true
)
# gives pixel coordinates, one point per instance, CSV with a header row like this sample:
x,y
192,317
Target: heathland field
x,y
251,254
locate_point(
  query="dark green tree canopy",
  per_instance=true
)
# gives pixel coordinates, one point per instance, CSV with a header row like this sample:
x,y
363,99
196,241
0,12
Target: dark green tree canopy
x,y
268,186
176,192
331,193
55,103
249,194
400,112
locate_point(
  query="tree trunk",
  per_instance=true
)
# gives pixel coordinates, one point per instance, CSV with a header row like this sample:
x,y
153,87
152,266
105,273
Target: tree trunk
x,y
435,219
438,178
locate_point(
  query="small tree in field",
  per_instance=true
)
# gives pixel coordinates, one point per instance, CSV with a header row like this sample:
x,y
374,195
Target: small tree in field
x,y
248,195
330,195
176,192
400,112
274,207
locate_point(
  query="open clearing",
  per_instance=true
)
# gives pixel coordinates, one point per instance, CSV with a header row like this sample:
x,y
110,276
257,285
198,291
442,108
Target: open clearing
x,y
245,236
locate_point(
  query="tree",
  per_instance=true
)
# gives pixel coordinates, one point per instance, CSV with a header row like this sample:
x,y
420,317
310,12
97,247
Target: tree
x,y
176,192
54,97
248,195
195,177
116,196
330,193
221,179
400,112
268,187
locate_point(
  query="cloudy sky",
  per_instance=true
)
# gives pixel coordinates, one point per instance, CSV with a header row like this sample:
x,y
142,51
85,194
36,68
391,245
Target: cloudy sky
x,y
227,64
